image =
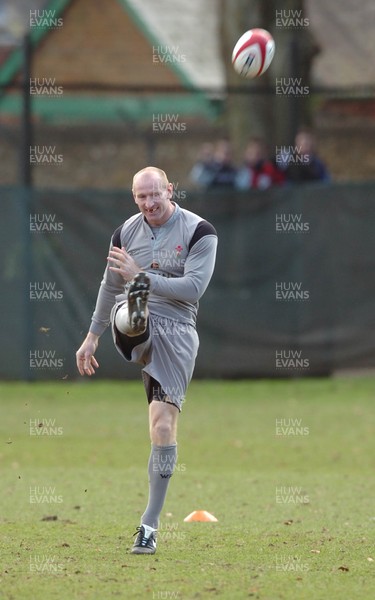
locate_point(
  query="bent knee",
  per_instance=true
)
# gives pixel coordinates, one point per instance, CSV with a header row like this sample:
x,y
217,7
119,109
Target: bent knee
x,y
161,429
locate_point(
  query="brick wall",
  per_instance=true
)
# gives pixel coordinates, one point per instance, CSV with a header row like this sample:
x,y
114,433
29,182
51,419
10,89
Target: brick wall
x,y
99,42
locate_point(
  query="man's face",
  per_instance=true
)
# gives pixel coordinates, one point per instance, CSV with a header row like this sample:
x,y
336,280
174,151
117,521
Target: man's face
x,y
254,153
304,143
153,198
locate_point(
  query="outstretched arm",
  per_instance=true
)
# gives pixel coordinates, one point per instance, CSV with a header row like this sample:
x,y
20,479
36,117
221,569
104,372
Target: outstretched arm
x,y
122,267
85,358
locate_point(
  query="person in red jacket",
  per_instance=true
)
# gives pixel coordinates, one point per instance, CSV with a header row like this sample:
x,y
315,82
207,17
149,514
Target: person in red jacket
x,y
258,172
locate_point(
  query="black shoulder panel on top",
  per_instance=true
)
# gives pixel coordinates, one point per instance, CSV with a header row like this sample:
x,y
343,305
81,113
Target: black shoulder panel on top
x,y
203,228
116,238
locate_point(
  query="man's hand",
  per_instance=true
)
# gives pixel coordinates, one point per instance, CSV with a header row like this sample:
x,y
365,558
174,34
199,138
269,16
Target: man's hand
x,y
123,263
85,358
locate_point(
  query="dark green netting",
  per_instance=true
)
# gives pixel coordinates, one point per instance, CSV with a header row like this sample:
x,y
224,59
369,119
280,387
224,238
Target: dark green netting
x,y
319,239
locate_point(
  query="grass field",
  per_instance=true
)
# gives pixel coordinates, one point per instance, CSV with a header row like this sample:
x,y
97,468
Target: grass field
x,y
294,497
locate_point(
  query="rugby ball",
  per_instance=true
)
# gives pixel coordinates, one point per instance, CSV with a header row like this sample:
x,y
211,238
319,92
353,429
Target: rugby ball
x,y
253,53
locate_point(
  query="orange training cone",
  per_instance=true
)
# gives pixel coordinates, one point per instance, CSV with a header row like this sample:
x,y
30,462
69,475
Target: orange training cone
x,y
200,515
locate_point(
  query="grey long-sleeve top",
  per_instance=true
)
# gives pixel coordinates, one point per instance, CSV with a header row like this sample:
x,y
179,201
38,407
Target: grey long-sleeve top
x,y
179,258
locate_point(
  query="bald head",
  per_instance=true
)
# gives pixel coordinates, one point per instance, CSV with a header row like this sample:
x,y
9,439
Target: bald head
x,y
153,194
153,171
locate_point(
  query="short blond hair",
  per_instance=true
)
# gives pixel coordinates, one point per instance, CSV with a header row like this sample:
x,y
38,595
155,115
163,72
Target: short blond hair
x,y
162,174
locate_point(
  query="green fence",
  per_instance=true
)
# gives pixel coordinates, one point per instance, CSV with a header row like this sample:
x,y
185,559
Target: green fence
x,y
292,294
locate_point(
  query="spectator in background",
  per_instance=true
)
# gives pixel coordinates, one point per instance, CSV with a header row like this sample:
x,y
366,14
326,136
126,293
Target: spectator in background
x,y
224,172
304,164
201,172
214,168
258,172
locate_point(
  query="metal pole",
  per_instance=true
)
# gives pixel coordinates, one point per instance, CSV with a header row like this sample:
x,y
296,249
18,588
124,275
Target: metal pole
x,y
25,199
26,123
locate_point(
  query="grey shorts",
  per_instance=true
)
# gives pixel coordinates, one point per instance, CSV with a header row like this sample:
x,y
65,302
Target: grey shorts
x,y
167,351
